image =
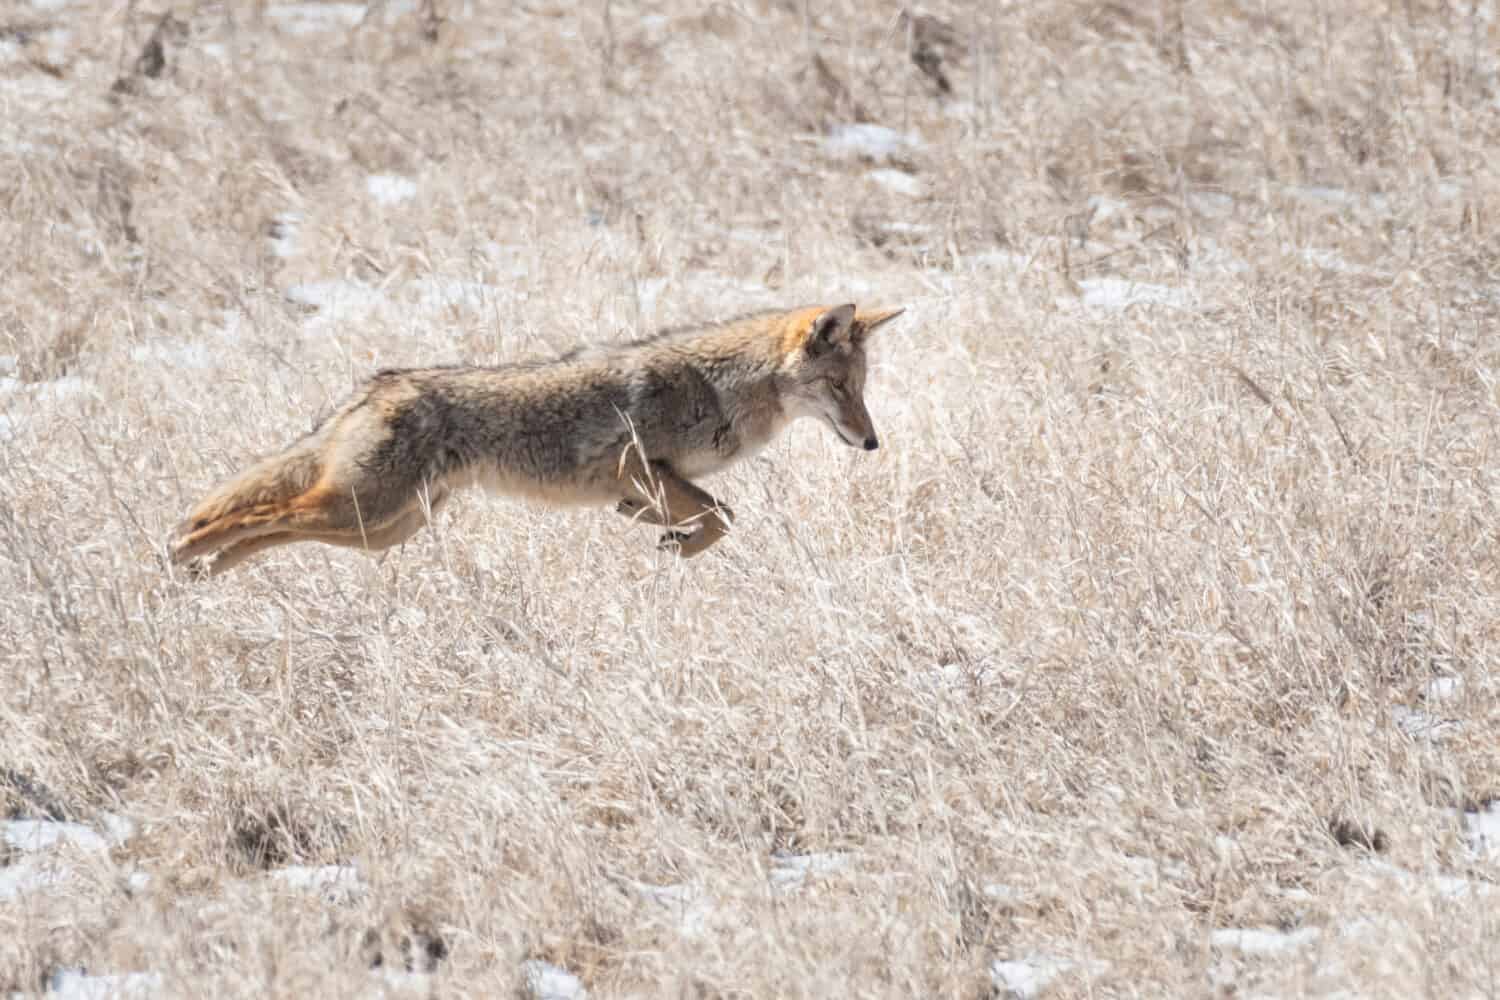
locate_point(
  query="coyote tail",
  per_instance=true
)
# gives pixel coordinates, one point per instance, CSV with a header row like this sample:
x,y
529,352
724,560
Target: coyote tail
x,y
260,494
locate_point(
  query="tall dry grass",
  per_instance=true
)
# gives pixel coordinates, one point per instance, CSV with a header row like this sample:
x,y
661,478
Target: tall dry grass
x,y
1127,636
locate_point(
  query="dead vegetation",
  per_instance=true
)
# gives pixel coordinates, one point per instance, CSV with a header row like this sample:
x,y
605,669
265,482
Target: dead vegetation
x,y
1166,612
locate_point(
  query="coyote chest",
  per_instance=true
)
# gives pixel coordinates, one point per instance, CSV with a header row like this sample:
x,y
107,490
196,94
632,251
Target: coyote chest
x,y
718,439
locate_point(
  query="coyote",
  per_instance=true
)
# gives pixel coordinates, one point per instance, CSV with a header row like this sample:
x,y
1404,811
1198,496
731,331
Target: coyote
x,y
634,424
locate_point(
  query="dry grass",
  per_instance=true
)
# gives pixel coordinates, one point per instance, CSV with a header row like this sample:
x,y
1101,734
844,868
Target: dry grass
x,y
1123,638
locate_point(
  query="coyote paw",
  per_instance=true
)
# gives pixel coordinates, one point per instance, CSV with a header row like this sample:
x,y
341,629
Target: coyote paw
x,y
198,568
673,541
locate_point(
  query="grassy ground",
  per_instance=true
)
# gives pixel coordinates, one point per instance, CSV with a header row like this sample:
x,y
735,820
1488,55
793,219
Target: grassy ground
x,y
1167,608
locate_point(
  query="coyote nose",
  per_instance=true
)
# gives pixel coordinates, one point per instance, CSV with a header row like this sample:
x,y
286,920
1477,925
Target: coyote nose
x,y
871,444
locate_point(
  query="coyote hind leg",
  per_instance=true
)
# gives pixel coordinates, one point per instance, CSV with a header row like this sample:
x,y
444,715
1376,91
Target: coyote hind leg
x,y
680,504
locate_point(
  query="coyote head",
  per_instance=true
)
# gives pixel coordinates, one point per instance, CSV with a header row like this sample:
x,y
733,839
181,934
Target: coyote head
x,y
825,370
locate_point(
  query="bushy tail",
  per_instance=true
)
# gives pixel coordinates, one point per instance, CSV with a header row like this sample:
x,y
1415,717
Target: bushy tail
x,y
256,497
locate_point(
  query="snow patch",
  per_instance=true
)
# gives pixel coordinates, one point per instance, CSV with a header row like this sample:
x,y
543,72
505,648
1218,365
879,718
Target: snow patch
x,y
1332,261
42,834
898,181
435,294
1321,194
870,142
336,883
1117,294
1419,725
790,871
1481,830
690,908
334,298
47,392
282,234
1447,886
1262,940
998,260
75,984
1102,208
1025,978
177,353
19,879
545,981
311,18
1336,198
1210,204
14,390
1442,688
390,189
1006,895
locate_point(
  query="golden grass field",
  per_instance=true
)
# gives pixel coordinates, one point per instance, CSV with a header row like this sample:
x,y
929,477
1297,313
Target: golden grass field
x,y
1152,655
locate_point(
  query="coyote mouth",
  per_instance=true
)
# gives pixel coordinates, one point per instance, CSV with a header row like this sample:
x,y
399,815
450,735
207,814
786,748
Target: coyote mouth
x,y
840,432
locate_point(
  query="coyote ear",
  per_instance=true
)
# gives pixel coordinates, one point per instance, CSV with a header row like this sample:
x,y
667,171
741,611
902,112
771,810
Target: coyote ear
x,y
830,329
868,323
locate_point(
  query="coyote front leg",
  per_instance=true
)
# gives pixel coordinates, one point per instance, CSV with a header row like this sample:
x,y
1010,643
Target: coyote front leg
x,y
679,505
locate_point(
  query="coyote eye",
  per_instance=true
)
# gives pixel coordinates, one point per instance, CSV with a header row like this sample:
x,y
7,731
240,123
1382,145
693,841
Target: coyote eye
x,y
840,387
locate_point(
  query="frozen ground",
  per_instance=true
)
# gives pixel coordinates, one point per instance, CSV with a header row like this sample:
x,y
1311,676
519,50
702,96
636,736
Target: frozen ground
x,y
1152,655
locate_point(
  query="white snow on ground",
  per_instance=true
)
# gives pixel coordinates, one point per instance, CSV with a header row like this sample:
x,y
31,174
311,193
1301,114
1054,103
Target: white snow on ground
x,y
36,839
545,981
177,353
72,984
1210,203
336,299
1419,725
1004,894
311,18
689,908
1447,886
871,142
28,876
117,829
437,294
1442,688
1333,198
390,189
283,233
46,392
1323,195
898,181
18,399
998,260
336,883
791,871
399,981
1026,978
207,349
1103,208
40,834
1262,940
1481,829
1115,294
